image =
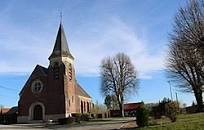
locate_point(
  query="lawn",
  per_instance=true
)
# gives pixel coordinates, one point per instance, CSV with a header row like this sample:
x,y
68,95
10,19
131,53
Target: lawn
x,y
184,122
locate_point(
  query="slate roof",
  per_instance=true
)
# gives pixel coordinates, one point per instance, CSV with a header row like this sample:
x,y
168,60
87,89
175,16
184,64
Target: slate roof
x,y
61,47
80,91
43,69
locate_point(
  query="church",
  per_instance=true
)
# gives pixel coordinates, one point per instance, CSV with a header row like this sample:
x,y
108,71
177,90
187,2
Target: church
x,y
52,93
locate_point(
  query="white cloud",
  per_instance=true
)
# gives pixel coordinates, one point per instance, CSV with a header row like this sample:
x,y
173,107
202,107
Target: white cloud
x,y
114,37
24,49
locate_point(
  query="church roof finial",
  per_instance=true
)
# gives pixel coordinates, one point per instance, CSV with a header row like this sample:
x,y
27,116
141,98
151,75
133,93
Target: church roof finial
x,y
60,17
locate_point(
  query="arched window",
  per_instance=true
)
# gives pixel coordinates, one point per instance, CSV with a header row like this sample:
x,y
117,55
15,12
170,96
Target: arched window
x,y
72,99
82,108
88,110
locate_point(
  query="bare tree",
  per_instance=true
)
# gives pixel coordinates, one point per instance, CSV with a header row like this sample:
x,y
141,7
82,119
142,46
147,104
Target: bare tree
x,y
118,78
186,59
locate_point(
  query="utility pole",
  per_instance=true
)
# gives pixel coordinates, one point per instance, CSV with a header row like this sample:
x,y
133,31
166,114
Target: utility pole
x,y
170,90
177,102
177,98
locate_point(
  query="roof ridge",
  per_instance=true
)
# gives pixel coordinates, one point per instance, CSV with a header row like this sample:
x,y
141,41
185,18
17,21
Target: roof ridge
x,y
85,93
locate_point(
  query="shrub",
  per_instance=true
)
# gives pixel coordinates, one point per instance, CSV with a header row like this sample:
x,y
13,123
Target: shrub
x,y
172,109
8,119
77,117
68,120
85,117
92,116
156,112
142,116
99,115
1,118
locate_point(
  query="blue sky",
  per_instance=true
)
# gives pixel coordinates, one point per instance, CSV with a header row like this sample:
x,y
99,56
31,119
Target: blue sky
x,y
95,29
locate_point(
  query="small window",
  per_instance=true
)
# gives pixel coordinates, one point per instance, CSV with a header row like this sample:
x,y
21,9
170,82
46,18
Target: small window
x,y
37,86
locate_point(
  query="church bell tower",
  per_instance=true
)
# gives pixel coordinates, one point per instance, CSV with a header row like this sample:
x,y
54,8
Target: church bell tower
x,y
62,67
61,54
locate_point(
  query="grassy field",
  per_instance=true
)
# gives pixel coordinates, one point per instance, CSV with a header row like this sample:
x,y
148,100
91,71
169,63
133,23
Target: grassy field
x,y
184,122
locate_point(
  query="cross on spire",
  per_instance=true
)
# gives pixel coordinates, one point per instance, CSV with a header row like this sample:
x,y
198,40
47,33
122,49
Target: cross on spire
x,y
60,16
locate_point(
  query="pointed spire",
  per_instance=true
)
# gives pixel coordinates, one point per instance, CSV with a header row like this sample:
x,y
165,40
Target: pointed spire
x,y
61,48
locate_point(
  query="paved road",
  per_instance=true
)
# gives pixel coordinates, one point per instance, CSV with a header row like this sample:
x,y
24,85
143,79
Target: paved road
x,y
112,124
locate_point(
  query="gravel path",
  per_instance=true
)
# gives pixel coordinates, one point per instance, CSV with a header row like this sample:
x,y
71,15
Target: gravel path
x,y
112,124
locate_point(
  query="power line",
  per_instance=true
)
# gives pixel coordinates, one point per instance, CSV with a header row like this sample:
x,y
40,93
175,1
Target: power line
x,y
11,89
8,96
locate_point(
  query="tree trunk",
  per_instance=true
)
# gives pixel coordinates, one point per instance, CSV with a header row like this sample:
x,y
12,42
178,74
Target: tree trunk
x,y
121,109
120,103
123,114
199,99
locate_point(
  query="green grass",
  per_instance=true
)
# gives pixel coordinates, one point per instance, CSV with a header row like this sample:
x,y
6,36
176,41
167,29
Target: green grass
x,y
184,122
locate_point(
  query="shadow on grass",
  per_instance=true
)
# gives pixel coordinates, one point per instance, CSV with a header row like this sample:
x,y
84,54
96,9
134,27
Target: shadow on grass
x,y
132,128
101,120
24,126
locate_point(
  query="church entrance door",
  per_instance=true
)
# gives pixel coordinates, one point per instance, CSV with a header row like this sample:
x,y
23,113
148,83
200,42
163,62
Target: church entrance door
x,y
37,113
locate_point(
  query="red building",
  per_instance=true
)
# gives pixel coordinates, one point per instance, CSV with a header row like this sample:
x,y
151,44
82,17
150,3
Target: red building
x,y
131,108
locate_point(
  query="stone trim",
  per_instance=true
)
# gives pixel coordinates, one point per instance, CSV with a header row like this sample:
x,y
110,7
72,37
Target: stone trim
x,y
31,108
84,98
